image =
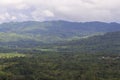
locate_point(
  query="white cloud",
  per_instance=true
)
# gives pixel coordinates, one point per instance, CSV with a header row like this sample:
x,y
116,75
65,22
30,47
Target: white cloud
x,y
73,10
13,18
2,18
48,13
10,2
7,15
22,6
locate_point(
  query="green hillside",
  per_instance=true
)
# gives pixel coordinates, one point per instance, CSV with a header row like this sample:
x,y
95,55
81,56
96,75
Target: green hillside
x,y
92,58
53,31
107,43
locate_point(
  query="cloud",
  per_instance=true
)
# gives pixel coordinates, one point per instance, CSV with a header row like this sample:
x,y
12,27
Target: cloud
x,y
41,10
48,13
8,2
13,18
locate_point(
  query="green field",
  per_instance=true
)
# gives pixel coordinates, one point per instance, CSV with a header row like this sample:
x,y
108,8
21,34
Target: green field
x,y
11,55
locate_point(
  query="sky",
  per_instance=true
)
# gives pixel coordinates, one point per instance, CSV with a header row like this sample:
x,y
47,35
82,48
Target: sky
x,y
68,10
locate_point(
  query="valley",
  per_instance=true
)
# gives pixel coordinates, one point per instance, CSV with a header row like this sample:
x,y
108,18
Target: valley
x,y
50,51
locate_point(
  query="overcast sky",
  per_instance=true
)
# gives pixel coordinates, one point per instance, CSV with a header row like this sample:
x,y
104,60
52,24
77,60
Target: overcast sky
x,y
71,10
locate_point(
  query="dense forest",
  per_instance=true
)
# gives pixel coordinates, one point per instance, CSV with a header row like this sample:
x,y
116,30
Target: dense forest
x,y
61,66
91,58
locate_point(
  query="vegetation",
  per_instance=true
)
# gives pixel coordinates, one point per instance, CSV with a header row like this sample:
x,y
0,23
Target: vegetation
x,y
53,31
61,66
10,55
51,51
84,59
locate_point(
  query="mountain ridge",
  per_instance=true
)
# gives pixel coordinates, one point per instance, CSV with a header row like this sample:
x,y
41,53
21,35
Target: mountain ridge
x,y
53,31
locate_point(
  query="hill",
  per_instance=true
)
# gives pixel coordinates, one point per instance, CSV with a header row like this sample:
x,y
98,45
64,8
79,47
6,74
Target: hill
x,y
92,57
52,31
107,43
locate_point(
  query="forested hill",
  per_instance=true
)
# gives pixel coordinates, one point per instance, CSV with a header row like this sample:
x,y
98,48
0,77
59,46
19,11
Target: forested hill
x,y
91,58
107,43
52,31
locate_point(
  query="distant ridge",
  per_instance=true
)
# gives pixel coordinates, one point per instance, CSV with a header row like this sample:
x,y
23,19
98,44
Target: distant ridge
x,y
53,31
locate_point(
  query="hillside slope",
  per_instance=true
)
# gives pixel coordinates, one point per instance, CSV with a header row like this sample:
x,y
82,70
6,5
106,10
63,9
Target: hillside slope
x,y
107,43
52,31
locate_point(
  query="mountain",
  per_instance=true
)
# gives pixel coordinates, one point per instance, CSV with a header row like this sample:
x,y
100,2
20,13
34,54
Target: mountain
x,y
107,43
23,37
53,31
95,57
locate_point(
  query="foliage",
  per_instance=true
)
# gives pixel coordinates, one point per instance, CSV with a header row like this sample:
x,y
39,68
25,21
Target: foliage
x,y
61,66
93,58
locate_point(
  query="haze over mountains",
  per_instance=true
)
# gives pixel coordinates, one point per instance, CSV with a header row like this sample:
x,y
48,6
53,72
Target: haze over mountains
x,y
53,31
